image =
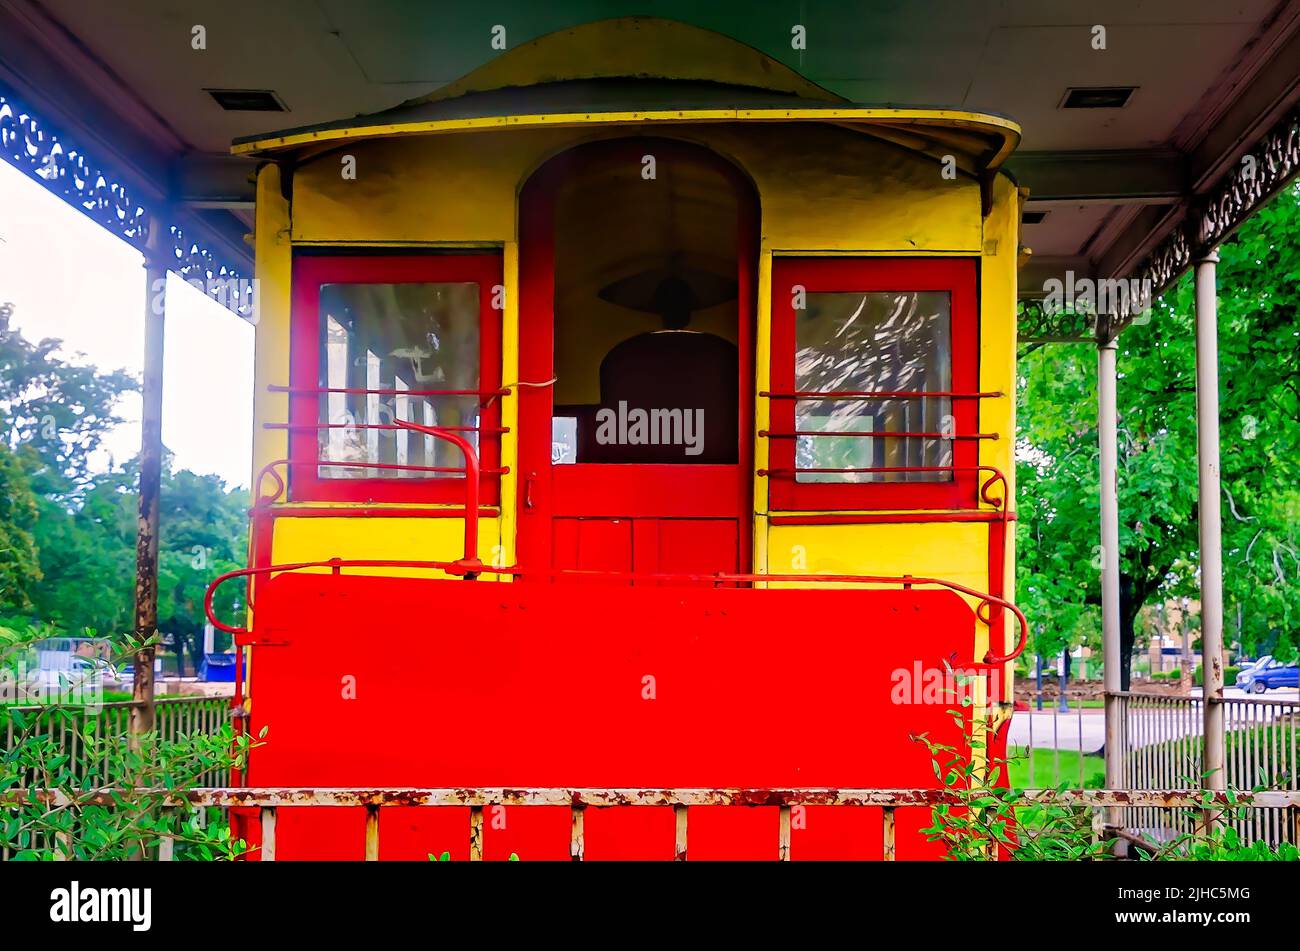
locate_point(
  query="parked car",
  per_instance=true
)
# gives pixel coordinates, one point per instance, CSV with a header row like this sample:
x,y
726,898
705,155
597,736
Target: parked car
x,y
82,673
1266,674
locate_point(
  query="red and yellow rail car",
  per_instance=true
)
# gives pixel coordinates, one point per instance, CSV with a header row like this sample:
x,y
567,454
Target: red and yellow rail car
x,y
631,413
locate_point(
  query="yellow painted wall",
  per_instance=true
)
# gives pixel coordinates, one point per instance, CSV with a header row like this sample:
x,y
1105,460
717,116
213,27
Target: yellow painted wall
x,y
821,188
390,539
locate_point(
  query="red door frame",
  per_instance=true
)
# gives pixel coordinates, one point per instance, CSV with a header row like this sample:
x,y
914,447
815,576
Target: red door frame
x,y
591,489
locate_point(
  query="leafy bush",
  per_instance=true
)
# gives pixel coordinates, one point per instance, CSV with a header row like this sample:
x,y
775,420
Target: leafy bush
x,y
990,820
110,801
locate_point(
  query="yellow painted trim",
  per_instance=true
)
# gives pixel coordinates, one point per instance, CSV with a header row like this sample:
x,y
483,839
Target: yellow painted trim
x,y
447,245
1008,130
762,419
290,507
760,546
509,406
272,303
870,253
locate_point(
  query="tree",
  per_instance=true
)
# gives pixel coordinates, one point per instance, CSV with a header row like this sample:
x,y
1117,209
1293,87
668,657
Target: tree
x,y
67,529
19,558
1057,536
204,532
59,409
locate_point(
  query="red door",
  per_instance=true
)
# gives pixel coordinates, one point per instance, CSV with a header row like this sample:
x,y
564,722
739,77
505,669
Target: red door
x,y
630,252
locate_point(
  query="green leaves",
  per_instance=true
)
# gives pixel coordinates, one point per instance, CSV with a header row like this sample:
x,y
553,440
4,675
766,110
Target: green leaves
x,y
1058,576
112,797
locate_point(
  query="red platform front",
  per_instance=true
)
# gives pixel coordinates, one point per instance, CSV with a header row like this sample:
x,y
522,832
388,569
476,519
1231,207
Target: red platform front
x,y
368,681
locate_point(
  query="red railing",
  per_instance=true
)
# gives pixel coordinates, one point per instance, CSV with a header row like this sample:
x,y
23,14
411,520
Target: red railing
x,y
988,612
469,566
877,395
363,391
458,567
860,395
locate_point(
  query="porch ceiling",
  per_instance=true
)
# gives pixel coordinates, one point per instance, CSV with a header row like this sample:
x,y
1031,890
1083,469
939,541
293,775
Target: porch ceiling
x,y
1210,78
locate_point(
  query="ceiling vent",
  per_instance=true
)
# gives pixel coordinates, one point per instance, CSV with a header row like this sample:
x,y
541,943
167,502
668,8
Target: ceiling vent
x,y
1098,97
247,100
1033,217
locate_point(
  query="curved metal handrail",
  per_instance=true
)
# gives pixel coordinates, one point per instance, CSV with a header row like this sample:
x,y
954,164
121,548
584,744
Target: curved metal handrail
x,y
720,578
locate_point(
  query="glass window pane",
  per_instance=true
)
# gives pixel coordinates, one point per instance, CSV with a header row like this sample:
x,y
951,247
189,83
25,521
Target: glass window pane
x,y
876,342
564,440
383,345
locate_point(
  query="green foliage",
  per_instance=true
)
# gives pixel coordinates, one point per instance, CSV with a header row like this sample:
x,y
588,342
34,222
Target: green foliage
x,y
76,823
1225,844
1058,571
992,819
67,530
19,557
989,819
60,409
446,857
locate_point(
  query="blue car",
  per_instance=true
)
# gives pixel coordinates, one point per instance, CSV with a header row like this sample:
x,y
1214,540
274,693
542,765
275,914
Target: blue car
x,y
1267,673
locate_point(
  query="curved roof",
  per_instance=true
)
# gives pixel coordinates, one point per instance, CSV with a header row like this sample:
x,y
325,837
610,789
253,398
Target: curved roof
x,y
637,70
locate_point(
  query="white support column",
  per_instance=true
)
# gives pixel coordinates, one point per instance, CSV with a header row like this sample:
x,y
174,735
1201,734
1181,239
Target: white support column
x,y
1108,444
1210,520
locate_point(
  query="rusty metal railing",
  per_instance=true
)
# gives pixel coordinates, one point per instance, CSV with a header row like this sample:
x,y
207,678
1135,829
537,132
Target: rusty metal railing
x,y
577,800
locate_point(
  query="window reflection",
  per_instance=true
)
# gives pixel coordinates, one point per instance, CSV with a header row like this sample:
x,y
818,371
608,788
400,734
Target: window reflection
x,y
877,341
387,345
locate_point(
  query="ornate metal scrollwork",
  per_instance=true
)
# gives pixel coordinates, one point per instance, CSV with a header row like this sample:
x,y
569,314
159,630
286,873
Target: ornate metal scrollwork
x,y
1260,172
33,146
1267,167
198,267
30,145
1039,322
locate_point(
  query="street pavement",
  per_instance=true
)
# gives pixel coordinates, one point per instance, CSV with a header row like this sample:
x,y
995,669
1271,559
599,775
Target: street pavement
x,y
1085,729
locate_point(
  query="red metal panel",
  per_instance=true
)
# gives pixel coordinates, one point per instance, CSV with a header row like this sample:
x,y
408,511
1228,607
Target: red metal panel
x,y
694,545
593,544
368,681
645,490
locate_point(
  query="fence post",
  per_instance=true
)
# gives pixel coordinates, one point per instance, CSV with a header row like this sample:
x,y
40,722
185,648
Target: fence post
x,y
889,834
577,833
268,834
476,833
372,833
167,843
679,837
783,835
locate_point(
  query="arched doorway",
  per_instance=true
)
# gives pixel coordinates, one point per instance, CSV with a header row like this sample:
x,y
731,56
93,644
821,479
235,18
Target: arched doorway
x,y
637,261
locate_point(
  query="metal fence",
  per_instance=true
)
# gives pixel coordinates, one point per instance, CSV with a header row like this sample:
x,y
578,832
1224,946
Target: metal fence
x,y
1161,739
1055,746
1162,742
578,800
67,727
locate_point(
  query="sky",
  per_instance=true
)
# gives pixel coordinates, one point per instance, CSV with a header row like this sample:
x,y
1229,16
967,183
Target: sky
x,y
71,279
